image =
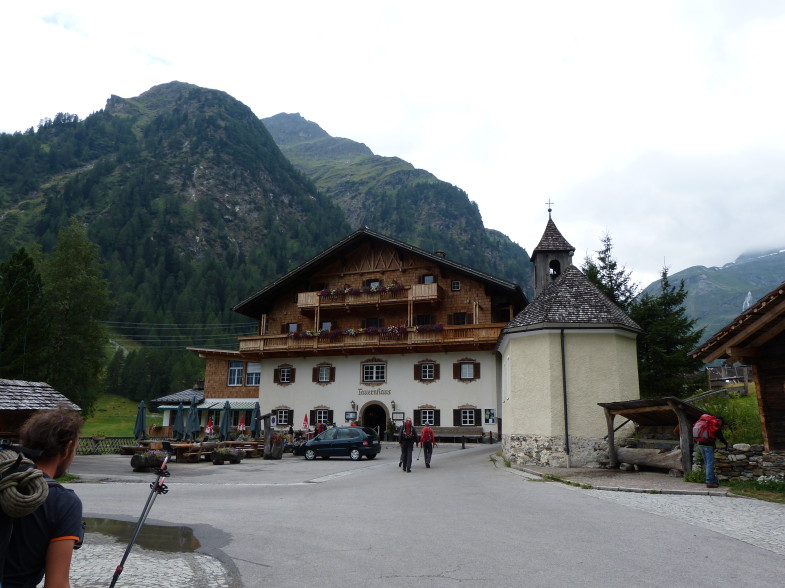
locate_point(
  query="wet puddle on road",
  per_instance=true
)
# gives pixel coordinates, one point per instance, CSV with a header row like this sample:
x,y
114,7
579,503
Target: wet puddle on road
x,y
171,539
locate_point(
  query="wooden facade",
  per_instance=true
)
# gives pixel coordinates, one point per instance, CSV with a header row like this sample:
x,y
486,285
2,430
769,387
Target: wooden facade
x,y
757,338
370,299
371,292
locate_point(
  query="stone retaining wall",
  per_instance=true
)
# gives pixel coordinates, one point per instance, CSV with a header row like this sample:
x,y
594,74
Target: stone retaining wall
x,y
747,462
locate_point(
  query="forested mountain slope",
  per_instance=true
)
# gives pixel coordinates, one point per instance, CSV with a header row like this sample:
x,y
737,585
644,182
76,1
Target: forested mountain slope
x,y
194,206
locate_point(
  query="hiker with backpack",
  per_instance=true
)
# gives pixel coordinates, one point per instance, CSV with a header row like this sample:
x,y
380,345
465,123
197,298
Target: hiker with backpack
x,y
407,437
43,542
705,432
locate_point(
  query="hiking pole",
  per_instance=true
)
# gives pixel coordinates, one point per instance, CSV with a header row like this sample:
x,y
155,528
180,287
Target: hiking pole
x,y
156,488
418,453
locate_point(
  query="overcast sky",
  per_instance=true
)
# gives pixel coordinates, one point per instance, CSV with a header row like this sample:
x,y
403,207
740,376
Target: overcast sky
x,y
658,122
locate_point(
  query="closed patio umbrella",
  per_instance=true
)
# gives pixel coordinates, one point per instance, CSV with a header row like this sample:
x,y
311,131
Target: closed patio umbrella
x,y
192,426
140,427
178,426
225,426
256,422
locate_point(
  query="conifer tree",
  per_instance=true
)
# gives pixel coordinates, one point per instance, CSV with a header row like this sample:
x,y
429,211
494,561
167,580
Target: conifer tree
x,y
79,296
24,320
615,282
665,367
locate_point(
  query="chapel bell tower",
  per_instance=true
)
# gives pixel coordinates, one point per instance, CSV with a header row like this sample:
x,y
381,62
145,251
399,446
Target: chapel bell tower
x,y
551,257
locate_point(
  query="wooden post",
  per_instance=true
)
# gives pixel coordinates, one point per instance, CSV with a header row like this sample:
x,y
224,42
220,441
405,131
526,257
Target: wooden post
x,y
613,460
685,438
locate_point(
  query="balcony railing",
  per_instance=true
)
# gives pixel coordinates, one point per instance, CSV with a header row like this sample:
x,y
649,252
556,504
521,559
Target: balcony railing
x,y
449,335
414,293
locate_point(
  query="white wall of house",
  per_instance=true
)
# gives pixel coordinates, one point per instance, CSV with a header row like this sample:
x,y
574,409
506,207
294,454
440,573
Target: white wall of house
x,y
400,386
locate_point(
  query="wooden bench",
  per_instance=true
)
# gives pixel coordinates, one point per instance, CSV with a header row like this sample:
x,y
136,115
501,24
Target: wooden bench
x,y
475,434
456,434
196,453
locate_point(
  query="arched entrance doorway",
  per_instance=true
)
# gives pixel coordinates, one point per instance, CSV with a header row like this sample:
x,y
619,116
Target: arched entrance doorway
x,y
375,417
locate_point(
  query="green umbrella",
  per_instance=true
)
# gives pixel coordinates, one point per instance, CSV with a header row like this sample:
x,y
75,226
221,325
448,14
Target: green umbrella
x,y
192,426
178,427
140,427
256,422
225,426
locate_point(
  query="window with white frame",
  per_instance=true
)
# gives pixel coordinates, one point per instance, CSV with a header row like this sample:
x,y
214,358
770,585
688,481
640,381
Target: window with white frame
x,y
283,417
467,371
322,416
283,374
235,373
253,373
374,372
427,371
455,286
324,373
467,417
427,416
428,279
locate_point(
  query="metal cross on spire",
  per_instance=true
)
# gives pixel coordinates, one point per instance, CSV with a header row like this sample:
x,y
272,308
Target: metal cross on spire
x,y
549,208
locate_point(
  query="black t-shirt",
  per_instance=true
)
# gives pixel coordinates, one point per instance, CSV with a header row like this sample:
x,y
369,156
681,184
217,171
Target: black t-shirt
x,y
59,518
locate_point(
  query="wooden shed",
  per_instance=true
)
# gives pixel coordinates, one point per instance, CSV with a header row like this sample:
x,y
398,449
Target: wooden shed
x,y
20,399
757,338
668,411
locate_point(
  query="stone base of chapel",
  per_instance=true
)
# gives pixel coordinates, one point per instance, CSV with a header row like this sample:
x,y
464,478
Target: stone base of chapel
x,y
550,451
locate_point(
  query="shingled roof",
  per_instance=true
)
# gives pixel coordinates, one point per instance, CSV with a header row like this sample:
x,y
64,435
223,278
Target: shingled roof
x,y
571,299
552,240
184,396
23,395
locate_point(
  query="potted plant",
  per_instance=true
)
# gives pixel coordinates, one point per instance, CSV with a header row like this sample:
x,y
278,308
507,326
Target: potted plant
x,y
224,454
276,446
391,428
151,458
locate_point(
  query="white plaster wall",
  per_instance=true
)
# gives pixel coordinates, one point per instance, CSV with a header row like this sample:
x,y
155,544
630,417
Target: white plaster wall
x,y
528,403
444,394
601,366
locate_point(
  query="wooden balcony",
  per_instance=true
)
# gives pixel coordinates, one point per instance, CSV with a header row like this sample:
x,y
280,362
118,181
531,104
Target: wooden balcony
x,y
447,339
310,301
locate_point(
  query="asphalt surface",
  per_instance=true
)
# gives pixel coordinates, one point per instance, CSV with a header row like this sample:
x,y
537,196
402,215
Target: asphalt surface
x,y
466,521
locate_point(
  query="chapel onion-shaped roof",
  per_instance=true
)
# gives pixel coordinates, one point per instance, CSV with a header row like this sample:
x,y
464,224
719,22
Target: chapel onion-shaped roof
x,y
571,300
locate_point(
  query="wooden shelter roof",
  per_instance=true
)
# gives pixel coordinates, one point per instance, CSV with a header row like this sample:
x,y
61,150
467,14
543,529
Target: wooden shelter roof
x,y
742,337
24,395
653,411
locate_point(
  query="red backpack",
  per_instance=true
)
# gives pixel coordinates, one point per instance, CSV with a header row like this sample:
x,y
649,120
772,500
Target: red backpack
x,y
705,429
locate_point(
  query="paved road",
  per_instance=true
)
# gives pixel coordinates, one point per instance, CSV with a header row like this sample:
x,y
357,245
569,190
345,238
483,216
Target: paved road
x,y
465,522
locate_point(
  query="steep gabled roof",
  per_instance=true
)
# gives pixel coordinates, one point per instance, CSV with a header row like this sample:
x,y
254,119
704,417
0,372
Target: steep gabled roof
x,y
23,395
571,300
253,305
754,327
552,240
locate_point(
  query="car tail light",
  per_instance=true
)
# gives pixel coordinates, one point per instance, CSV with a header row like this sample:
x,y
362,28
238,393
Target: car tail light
x,y
365,442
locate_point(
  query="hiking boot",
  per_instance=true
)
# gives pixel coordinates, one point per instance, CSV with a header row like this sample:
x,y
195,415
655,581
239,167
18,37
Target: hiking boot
x,y
712,485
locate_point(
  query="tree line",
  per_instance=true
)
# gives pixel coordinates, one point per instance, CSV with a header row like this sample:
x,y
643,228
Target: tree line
x,y
665,367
